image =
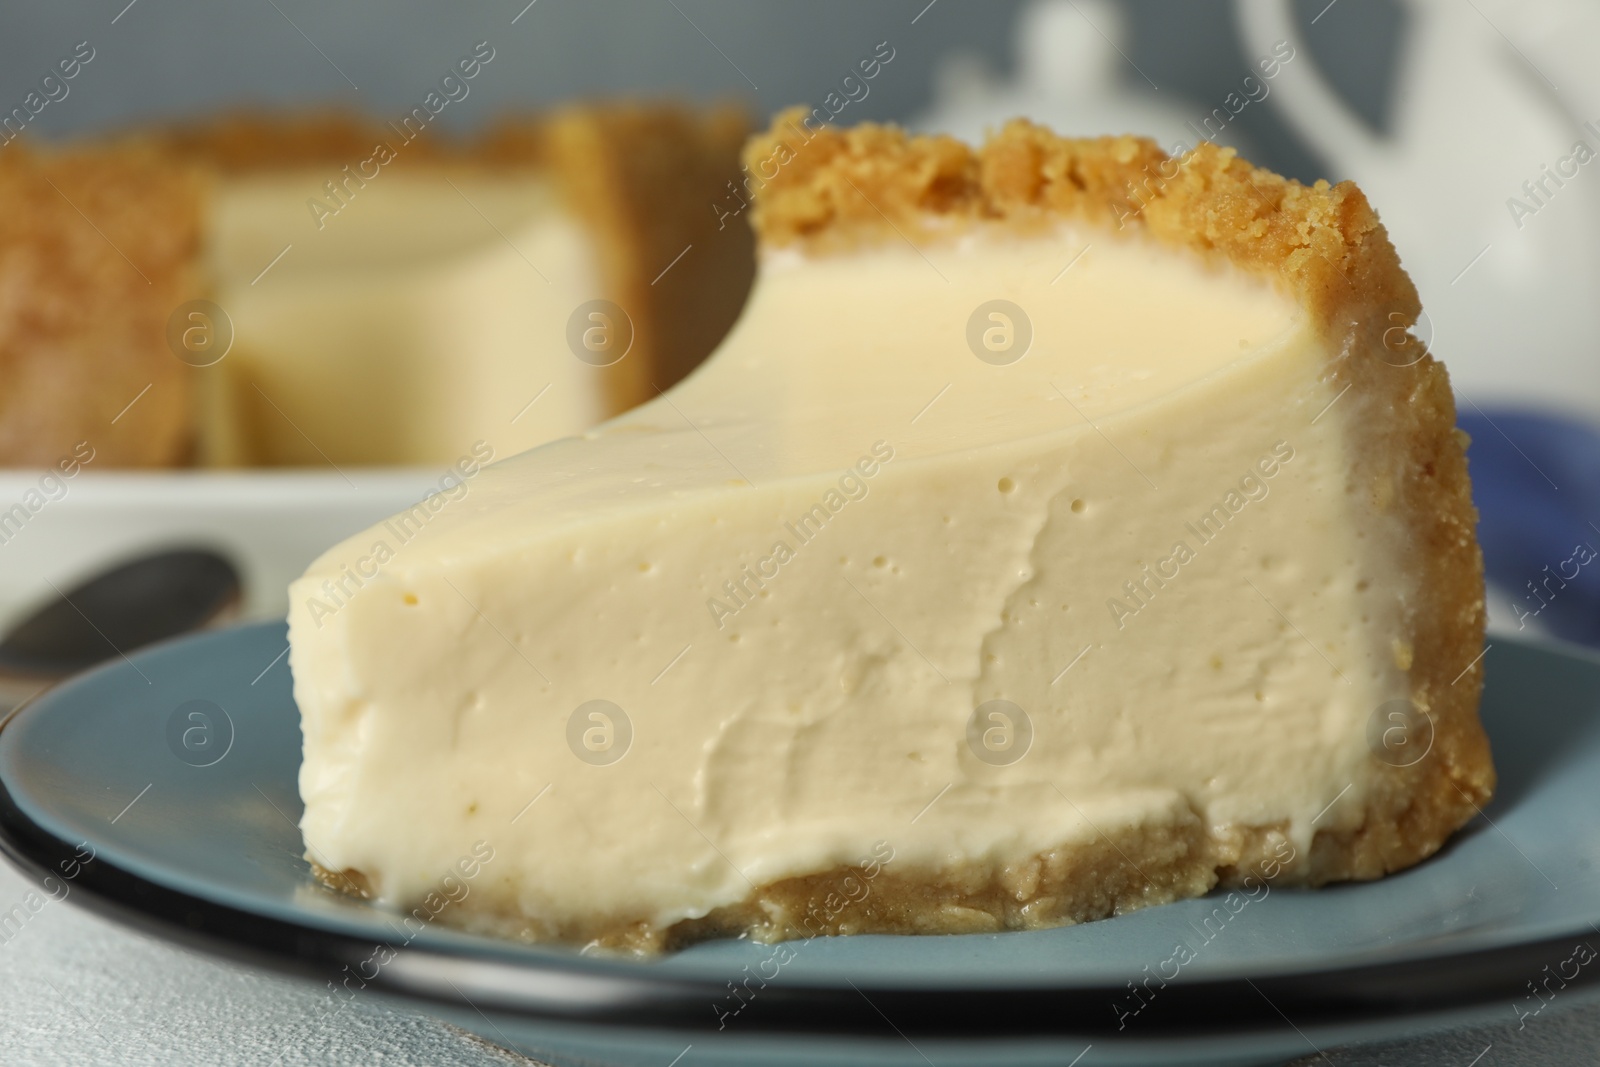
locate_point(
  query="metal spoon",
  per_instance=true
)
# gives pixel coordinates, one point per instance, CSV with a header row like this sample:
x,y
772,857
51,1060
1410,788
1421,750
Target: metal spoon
x,y
133,604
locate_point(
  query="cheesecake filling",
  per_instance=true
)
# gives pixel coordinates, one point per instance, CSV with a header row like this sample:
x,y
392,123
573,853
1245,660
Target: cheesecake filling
x,y
874,579
420,317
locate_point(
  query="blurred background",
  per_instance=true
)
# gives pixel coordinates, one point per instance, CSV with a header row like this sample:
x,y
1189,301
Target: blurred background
x,y
1470,125
188,59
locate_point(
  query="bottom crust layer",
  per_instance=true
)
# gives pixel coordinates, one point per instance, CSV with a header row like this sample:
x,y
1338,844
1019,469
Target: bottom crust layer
x,y
1410,813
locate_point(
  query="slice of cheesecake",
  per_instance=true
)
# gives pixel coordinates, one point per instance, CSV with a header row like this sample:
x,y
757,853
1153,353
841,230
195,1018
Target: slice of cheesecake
x,y
352,293
1063,529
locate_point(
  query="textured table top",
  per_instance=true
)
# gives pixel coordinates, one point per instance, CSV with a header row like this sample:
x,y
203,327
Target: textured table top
x,y
77,988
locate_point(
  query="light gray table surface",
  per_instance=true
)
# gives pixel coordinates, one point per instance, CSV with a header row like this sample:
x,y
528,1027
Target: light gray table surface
x,y
76,988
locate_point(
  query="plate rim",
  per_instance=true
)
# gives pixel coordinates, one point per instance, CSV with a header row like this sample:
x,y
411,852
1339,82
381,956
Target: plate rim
x,y
620,994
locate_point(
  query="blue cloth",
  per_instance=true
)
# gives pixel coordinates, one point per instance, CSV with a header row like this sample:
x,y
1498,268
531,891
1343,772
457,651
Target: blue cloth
x,y
1536,481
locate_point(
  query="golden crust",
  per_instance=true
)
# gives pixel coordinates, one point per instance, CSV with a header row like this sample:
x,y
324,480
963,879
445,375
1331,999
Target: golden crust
x,y
840,188
831,189
97,248
645,178
252,141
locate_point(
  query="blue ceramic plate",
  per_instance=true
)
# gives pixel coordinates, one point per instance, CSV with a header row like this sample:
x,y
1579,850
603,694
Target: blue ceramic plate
x,y
161,790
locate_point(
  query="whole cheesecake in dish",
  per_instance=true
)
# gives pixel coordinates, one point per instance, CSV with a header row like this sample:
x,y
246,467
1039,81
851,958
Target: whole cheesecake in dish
x,y
311,289
1063,529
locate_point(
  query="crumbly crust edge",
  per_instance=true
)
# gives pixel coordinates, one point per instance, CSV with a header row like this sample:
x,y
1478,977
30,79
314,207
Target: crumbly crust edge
x,y
97,249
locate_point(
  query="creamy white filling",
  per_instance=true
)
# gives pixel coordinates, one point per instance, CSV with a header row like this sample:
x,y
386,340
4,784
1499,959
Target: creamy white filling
x,y
803,571
422,317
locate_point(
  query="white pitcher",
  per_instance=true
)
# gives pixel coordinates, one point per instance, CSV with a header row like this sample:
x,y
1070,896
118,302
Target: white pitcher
x,y
1071,75
1479,183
